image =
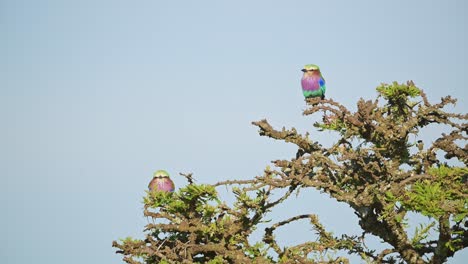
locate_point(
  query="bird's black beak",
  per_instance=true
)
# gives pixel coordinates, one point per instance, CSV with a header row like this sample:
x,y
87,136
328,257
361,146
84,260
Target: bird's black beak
x,y
303,70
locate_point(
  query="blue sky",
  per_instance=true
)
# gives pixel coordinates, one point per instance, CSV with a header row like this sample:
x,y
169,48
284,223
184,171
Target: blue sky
x,y
97,95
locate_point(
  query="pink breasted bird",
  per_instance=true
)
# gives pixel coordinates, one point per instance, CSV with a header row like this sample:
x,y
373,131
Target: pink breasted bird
x,y
313,83
161,182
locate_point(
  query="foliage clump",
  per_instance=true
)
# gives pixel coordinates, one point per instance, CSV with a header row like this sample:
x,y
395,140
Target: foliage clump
x,y
377,167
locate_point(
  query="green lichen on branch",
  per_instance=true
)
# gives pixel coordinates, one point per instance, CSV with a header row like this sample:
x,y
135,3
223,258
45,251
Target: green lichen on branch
x,y
376,167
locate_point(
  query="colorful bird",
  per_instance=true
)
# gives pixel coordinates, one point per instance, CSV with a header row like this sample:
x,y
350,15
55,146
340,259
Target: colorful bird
x,y
161,182
313,84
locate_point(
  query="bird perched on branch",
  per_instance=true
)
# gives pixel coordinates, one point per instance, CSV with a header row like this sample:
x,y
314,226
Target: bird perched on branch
x,y
161,182
313,84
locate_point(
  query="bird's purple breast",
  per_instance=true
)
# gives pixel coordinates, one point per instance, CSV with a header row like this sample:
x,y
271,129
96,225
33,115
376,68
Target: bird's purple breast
x,y
164,184
310,83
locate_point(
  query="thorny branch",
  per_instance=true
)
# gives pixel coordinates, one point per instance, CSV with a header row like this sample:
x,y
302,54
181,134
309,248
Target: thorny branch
x,y
374,167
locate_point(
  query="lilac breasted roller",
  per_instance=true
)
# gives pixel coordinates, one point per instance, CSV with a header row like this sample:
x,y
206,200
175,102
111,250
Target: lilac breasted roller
x,y
313,84
161,182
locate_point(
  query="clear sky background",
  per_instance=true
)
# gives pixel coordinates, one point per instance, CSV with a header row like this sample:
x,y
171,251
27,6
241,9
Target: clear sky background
x,y
97,95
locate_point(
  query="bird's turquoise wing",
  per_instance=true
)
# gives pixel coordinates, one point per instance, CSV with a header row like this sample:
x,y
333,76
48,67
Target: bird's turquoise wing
x,y
323,88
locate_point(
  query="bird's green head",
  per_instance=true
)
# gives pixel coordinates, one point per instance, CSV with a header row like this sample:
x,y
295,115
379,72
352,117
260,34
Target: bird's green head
x,y
311,68
161,174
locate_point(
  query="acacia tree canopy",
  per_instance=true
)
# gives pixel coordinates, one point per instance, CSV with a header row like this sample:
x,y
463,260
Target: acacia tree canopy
x,y
377,167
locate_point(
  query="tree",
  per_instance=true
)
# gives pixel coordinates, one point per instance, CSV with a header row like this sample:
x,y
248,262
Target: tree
x,y
376,167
